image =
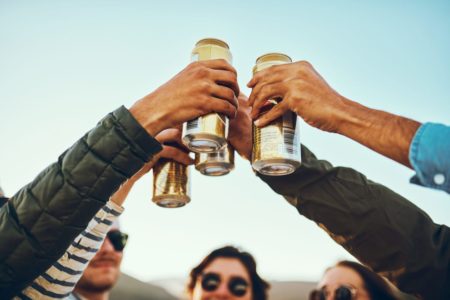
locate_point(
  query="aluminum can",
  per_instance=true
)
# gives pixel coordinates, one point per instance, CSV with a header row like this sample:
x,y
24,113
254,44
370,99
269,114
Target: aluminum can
x,y
276,146
207,133
216,163
171,184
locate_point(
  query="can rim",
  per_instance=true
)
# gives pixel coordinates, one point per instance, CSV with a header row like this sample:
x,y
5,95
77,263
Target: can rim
x,y
261,59
214,41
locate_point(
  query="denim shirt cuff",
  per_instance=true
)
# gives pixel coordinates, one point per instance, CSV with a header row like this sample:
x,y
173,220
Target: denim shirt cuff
x,y
429,156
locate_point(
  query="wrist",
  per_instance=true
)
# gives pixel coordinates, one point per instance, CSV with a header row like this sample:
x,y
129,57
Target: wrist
x,y
148,115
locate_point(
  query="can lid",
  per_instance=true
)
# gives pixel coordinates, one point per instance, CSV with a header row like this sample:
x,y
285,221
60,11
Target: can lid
x,y
269,59
274,56
212,41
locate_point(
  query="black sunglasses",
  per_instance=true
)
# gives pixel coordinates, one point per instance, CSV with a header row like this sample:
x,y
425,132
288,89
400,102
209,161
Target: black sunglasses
x,y
341,293
118,239
237,286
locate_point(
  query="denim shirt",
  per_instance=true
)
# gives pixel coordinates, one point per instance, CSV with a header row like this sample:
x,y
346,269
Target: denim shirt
x,y
429,155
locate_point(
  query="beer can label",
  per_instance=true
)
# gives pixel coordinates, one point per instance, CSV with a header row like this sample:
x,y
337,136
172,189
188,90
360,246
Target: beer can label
x,y
290,146
279,139
211,123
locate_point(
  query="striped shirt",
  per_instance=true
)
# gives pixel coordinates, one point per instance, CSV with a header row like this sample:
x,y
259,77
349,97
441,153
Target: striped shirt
x,y
60,279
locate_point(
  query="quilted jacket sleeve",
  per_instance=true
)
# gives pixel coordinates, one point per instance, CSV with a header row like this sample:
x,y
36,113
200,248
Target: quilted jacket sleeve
x,y
379,227
44,217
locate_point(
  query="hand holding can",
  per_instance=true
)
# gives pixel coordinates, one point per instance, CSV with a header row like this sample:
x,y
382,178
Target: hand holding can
x,y
208,133
276,146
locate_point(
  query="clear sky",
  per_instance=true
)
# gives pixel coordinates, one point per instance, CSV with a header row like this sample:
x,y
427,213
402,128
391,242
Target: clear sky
x,y
66,64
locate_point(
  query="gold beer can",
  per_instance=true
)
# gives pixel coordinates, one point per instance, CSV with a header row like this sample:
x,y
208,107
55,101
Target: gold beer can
x,y
216,163
171,184
276,146
207,133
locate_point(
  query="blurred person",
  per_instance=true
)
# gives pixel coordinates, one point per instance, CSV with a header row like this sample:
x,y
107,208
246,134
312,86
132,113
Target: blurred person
x,y
379,227
3,198
42,219
101,238
349,280
227,273
424,148
103,271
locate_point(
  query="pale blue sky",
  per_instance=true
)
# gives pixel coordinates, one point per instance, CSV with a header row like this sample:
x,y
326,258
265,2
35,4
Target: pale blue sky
x,y
65,64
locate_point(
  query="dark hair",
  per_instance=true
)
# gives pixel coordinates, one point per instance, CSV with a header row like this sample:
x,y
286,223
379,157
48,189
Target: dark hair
x,y
376,286
259,285
3,200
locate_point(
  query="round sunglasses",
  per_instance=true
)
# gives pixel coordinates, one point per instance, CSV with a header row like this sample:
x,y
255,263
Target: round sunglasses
x,y
237,285
341,293
118,239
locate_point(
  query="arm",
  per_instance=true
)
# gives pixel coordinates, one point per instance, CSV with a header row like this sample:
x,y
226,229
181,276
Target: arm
x,y
306,93
43,218
57,281
39,222
379,227
60,279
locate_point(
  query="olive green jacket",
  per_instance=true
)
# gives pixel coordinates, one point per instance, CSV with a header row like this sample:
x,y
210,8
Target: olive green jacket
x,y
379,227
41,220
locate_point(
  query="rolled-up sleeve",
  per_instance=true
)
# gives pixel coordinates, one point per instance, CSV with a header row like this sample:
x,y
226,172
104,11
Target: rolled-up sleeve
x,y
429,155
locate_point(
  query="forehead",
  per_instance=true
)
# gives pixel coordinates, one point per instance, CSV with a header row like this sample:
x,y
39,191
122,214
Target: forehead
x,y
341,275
227,267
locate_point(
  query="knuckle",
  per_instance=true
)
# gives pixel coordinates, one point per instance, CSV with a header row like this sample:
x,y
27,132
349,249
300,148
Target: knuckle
x,y
232,77
304,65
204,86
265,90
193,65
229,94
202,71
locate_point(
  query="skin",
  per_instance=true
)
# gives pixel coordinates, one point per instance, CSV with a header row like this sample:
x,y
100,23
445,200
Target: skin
x,y
240,133
338,276
227,268
201,88
103,271
306,93
101,274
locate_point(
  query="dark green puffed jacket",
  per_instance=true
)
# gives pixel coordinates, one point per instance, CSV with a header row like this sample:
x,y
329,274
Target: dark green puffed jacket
x,y
379,227
40,221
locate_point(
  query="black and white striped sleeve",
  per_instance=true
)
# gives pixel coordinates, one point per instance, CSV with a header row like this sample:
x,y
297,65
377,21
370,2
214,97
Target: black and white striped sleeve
x,y
60,279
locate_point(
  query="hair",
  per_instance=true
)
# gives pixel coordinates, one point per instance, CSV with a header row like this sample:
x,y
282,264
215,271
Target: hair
x,y
376,286
3,198
259,285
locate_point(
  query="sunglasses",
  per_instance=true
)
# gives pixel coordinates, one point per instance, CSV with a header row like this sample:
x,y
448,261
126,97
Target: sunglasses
x,y
341,293
237,286
118,239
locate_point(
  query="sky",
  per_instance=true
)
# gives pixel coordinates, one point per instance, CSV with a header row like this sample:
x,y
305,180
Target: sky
x,y
66,64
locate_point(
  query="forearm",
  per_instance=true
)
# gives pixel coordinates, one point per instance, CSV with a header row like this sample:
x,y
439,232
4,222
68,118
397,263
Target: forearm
x,y
45,216
376,225
385,133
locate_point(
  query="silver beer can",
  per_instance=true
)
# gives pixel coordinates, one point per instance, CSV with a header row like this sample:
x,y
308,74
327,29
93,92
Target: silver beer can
x,y
207,133
171,184
276,146
216,163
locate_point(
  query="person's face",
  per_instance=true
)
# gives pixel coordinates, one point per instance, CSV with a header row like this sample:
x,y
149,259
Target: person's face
x,y
338,277
223,279
104,269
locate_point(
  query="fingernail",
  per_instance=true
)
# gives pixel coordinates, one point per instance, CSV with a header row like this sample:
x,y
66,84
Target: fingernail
x,y
257,122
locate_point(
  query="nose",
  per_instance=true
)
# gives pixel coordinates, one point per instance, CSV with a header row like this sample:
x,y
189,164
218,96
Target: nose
x,y
107,246
222,292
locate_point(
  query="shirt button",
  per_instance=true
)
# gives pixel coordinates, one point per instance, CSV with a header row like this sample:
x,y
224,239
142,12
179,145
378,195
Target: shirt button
x,y
439,179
